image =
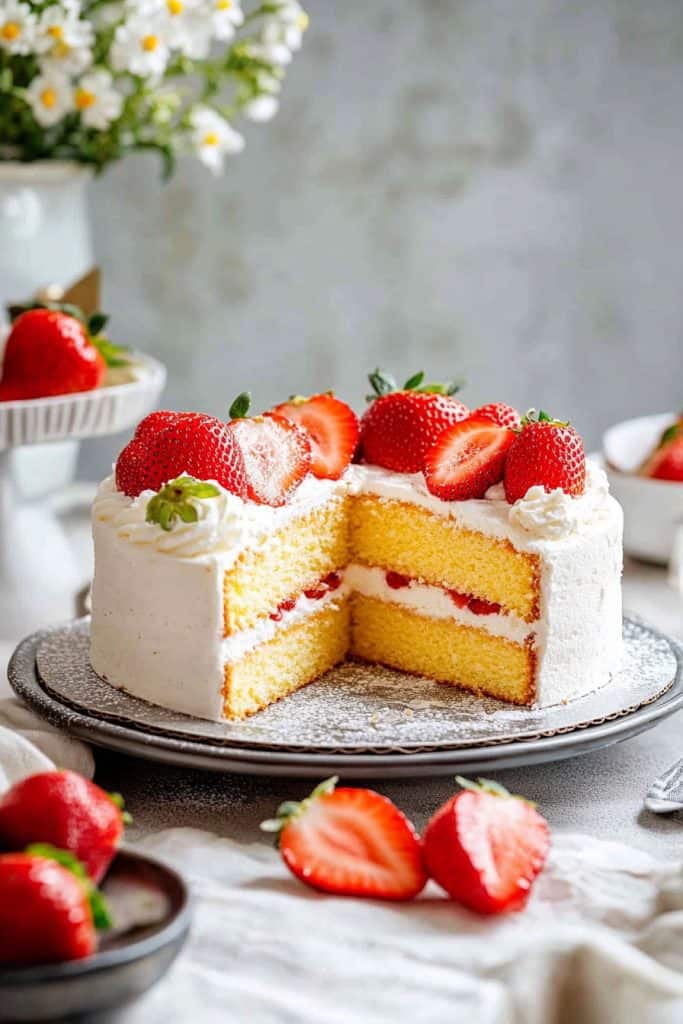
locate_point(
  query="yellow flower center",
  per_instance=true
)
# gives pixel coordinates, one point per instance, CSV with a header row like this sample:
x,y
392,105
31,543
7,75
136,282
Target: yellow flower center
x,y
56,31
223,5
48,98
61,50
150,43
302,21
84,99
211,139
175,6
10,30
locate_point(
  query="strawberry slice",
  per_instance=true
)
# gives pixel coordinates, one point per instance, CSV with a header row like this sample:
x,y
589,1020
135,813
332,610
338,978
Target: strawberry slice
x,y
351,842
486,847
332,427
277,456
467,459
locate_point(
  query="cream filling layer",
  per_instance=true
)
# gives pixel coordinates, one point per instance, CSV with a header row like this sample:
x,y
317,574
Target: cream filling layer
x,y
237,645
432,602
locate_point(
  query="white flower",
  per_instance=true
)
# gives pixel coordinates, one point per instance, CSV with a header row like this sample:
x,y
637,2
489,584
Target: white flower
x,y
141,47
227,16
261,108
97,100
189,28
213,138
64,40
17,27
50,97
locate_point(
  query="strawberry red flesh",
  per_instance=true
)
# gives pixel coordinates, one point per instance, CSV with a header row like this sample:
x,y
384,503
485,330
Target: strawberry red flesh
x,y
352,842
486,850
396,580
480,607
326,585
67,811
467,459
45,915
277,457
332,428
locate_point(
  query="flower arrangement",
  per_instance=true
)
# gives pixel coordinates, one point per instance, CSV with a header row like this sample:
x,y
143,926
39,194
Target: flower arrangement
x,y
93,80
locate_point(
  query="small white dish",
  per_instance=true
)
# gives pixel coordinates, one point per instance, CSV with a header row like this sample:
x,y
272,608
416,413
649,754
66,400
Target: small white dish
x,y
653,509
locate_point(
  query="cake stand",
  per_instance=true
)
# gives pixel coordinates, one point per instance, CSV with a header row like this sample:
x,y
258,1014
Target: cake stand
x,y
38,572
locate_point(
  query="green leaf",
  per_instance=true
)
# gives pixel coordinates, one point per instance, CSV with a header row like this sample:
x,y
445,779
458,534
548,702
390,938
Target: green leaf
x,y
119,802
292,809
98,905
113,355
670,434
240,407
413,383
382,383
97,322
543,417
174,501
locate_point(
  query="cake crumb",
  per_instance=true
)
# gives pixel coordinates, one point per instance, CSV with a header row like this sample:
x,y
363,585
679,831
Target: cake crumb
x,y
408,712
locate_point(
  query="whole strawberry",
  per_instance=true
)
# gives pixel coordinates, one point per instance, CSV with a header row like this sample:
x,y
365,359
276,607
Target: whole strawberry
x,y
351,842
167,444
50,352
503,415
546,453
666,462
45,913
67,811
401,425
486,847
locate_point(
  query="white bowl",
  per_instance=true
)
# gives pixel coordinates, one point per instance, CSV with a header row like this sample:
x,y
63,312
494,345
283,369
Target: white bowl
x,y
653,509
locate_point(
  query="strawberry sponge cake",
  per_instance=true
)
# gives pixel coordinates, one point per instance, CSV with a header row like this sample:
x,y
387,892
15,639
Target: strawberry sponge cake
x,y
238,561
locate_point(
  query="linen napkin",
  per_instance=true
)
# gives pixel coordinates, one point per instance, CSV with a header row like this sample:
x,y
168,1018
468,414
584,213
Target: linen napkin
x,y
600,942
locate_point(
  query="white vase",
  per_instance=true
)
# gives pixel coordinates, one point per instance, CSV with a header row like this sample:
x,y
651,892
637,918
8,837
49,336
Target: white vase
x,y
44,226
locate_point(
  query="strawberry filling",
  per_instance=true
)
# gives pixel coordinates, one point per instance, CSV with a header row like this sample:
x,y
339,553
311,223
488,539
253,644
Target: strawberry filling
x,y
326,585
477,605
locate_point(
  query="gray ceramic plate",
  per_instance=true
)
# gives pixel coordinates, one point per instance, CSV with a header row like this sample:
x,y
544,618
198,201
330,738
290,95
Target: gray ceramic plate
x,y
150,905
360,721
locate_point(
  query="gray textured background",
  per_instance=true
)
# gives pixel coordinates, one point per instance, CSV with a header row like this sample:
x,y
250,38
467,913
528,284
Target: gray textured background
x,y
472,186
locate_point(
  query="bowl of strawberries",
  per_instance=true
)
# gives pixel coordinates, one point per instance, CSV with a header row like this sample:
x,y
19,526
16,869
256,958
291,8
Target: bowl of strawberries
x,y
644,463
84,924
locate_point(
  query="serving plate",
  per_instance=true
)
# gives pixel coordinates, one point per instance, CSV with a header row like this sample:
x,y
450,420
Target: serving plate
x,y
360,721
150,906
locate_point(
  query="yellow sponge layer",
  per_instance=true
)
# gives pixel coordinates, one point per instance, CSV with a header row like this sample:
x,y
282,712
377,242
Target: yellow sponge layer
x,y
293,658
444,650
289,561
412,541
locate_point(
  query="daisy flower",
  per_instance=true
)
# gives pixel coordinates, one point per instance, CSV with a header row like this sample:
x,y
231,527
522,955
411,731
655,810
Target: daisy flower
x,y
97,100
227,15
140,46
50,97
17,27
261,108
213,138
64,40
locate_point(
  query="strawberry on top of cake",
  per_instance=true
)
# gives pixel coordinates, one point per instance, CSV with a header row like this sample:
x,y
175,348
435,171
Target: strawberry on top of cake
x,y
473,547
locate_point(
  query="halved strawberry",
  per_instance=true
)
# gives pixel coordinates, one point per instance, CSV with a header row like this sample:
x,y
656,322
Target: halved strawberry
x,y
352,842
486,847
277,456
503,415
332,427
467,459
666,462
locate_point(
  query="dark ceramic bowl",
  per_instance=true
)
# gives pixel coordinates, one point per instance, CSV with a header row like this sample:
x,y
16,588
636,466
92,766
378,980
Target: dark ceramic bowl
x,y
151,904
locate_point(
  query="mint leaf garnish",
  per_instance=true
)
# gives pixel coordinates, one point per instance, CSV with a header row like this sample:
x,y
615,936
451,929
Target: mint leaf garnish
x,y
173,501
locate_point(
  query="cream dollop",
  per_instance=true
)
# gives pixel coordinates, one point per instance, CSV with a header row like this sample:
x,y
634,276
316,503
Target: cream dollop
x,y
555,514
220,522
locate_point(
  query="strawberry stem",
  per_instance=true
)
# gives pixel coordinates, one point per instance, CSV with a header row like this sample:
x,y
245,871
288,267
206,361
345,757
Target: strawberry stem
x,y
384,383
491,787
532,416
240,407
292,809
173,501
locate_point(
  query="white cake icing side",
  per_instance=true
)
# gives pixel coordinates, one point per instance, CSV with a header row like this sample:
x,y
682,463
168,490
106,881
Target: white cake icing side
x,y
157,624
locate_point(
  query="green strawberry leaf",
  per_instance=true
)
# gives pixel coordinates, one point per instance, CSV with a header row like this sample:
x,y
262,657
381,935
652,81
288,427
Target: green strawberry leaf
x,y
113,355
119,802
291,809
413,383
97,322
101,915
382,383
240,407
173,501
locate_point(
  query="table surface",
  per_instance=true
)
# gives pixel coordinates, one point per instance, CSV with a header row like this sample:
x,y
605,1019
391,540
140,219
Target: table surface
x,y
599,793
